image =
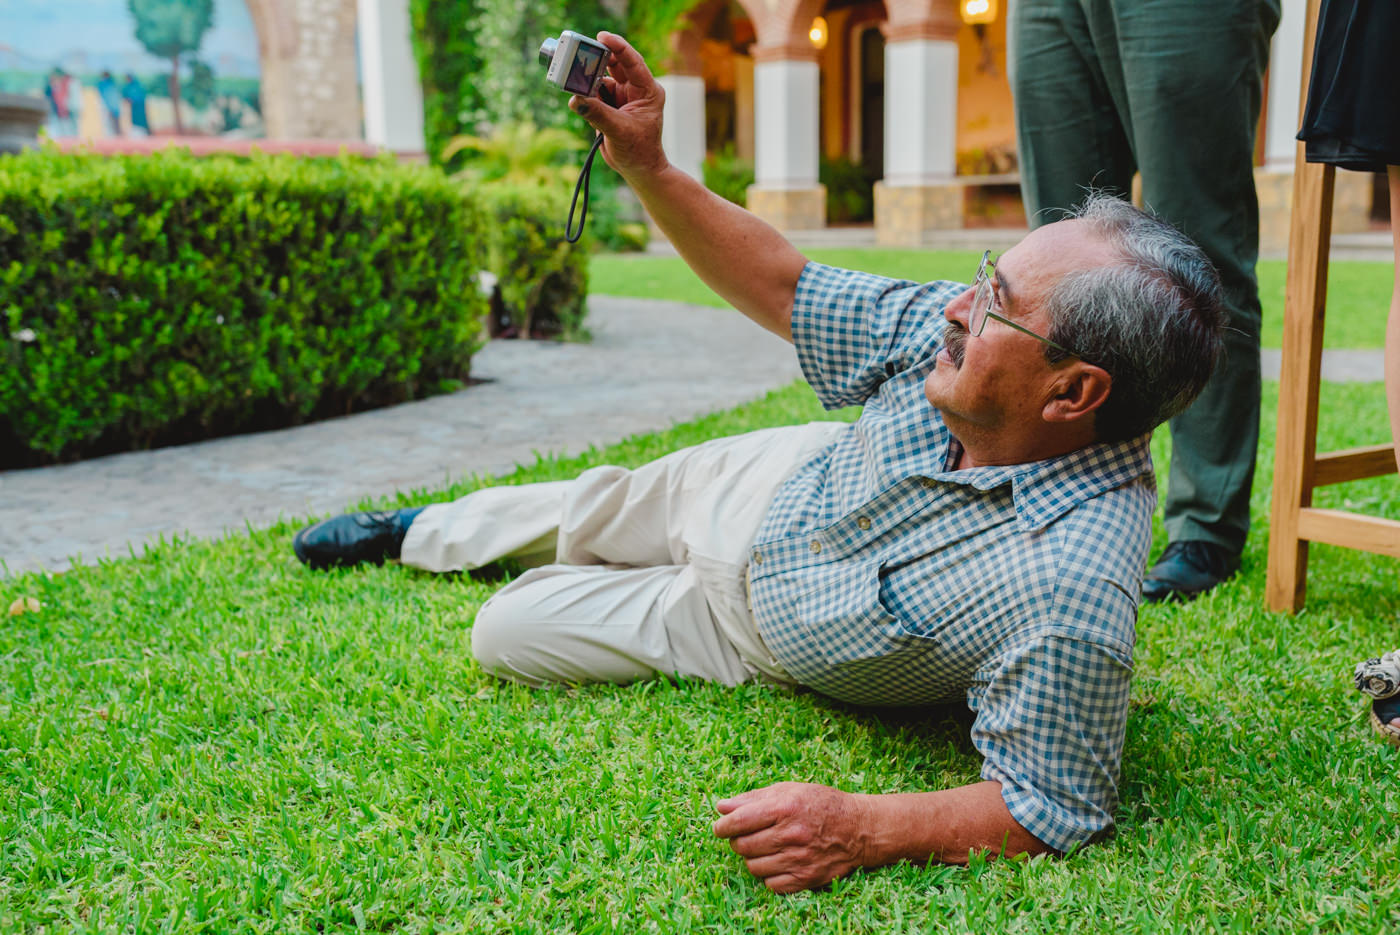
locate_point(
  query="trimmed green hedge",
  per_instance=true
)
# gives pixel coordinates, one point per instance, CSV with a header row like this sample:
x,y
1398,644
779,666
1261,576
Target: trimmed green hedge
x,y
154,299
542,279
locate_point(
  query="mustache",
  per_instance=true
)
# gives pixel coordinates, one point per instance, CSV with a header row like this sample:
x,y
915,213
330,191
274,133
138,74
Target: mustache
x,y
955,341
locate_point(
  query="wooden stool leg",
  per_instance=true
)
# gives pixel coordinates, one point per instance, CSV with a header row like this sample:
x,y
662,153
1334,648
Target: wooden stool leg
x,y
1295,448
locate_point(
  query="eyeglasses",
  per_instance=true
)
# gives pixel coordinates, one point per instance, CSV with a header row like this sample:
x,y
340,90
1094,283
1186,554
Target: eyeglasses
x,y
984,297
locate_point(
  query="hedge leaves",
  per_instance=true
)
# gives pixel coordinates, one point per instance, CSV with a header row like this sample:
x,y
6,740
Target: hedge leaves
x,y
160,298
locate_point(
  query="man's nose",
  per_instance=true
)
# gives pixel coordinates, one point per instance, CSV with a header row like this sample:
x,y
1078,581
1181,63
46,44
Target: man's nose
x,y
960,307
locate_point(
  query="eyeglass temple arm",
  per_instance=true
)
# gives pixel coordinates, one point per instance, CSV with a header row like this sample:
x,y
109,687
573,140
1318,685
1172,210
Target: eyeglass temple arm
x,y
1039,337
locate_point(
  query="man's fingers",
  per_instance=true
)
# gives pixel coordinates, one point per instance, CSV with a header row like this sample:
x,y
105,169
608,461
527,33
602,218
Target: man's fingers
x,y
725,806
597,112
770,865
609,92
785,883
745,818
627,63
761,843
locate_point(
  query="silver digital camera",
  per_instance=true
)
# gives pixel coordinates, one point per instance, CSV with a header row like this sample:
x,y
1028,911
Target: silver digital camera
x,y
575,62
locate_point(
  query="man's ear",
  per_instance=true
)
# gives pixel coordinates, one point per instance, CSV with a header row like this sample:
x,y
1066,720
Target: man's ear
x,y
1077,391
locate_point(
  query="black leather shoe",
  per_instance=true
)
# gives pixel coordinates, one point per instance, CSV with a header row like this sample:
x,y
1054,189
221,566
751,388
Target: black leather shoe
x,y
1188,569
354,538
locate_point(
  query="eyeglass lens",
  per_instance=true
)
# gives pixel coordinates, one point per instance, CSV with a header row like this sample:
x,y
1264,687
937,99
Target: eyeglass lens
x,y
981,299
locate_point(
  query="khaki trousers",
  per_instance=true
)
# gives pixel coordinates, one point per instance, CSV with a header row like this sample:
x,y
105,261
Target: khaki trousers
x,y
647,572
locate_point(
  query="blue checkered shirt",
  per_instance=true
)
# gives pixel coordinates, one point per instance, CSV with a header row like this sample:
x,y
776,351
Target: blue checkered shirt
x,y
884,576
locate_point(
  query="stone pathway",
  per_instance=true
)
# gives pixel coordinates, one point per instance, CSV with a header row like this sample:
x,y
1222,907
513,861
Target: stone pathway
x,y
650,365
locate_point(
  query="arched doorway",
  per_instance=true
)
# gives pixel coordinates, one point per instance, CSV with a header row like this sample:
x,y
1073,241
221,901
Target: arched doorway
x,y
868,98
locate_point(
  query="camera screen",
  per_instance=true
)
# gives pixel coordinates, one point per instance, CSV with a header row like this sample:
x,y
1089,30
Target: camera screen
x,y
584,69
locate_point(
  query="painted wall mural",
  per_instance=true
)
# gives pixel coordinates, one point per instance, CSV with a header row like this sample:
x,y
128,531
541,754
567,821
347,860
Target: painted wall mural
x,y
135,67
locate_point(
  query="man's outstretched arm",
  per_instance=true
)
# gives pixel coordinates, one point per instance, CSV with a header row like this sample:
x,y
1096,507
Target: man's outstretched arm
x,y
743,258
796,836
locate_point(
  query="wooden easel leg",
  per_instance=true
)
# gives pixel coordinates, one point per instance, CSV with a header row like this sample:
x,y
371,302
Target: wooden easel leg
x,y
1295,448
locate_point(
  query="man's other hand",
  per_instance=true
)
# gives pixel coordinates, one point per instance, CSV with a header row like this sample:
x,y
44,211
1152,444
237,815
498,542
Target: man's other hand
x,y
631,123
795,835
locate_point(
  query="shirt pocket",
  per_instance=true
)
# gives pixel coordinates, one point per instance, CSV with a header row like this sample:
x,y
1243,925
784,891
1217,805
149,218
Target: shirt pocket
x,y
842,617
857,649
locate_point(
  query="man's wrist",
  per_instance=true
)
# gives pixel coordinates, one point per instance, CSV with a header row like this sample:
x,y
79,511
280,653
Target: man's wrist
x,y
886,835
647,177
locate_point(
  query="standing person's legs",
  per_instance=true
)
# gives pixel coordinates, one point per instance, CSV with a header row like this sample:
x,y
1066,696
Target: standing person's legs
x,y
1392,328
1195,96
1392,371
1069,128
652,563
1377,677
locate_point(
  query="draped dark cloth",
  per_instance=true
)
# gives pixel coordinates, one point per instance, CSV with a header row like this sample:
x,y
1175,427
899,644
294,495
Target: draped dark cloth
x,y
1352,119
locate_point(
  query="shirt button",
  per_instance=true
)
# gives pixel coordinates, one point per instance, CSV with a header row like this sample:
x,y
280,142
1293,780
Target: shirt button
x,y
863,522
816,546
757,557
928,483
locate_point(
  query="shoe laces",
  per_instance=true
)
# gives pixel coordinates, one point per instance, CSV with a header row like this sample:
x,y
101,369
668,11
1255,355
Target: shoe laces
x,y
377,520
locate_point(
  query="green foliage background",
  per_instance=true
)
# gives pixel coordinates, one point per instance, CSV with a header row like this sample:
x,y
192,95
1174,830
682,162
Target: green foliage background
x,y
478,61
478,58
169,28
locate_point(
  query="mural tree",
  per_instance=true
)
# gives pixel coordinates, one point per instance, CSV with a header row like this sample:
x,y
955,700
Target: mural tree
x,y
169,29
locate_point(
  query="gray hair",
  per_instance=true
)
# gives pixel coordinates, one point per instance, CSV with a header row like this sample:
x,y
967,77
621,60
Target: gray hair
x,y
1152,321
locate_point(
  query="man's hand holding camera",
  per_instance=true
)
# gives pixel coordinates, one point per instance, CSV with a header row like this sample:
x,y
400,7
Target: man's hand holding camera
x,y
627,111
742,258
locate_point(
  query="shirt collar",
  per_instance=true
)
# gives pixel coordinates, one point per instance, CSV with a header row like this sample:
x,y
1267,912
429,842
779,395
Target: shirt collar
x,y
1042,491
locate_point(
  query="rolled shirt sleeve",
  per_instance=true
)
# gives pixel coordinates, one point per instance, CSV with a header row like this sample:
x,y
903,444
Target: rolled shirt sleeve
x,y
854,330
1050,720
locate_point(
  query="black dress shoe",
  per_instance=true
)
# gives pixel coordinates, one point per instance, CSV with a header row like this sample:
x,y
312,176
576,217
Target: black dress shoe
x,y
1188,569
354,538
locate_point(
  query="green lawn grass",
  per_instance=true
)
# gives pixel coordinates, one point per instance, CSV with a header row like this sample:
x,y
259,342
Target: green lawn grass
x,y
1358,291
208,737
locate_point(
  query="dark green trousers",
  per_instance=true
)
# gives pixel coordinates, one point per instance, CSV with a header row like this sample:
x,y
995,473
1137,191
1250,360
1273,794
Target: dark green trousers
x,y
1171,89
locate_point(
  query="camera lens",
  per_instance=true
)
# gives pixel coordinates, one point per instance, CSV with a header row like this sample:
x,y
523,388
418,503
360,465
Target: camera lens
x,y
547,51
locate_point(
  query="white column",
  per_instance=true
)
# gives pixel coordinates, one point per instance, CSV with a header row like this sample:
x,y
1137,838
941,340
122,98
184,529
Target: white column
x,y
921,111
392,93
1285,87
785,125
683,122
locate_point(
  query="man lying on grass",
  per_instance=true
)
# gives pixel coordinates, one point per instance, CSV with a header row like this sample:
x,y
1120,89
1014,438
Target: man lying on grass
x,y
979,533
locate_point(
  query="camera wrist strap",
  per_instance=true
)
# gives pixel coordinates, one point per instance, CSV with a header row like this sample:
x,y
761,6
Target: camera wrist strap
x,y
584,178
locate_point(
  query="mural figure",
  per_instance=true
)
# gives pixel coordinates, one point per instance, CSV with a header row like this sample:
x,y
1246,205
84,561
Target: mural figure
x,y
135,96
58,89
111,102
